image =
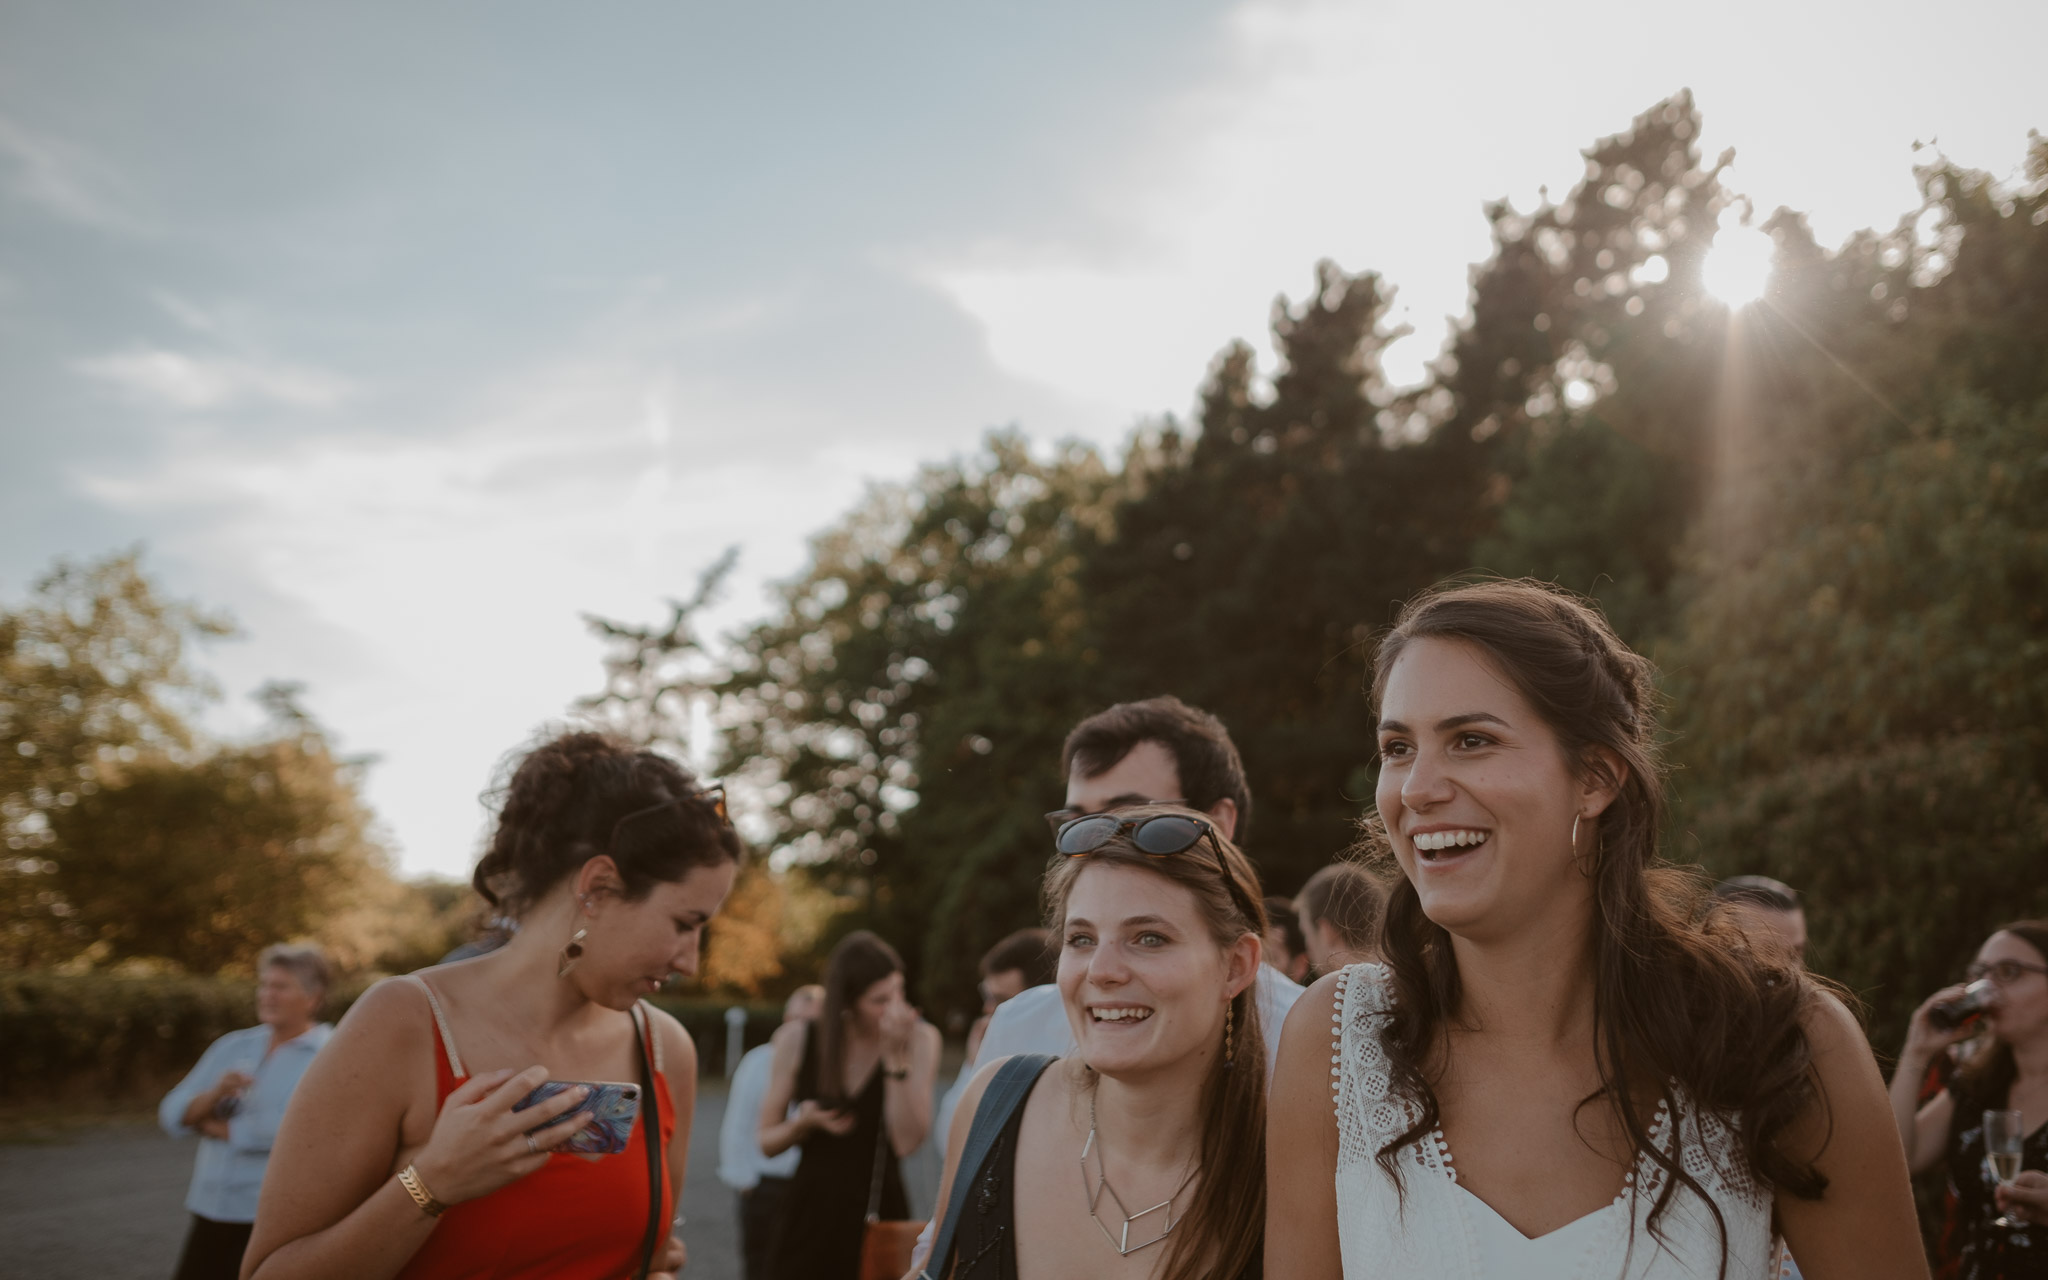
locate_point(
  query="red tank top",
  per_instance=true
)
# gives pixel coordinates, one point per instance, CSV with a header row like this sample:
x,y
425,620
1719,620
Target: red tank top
x,y
574,1218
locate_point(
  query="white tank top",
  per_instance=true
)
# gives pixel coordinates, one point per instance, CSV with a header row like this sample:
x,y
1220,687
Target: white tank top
x,y
1433,1227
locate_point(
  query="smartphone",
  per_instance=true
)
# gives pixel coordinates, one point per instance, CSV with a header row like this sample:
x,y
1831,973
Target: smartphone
x,y
613,1108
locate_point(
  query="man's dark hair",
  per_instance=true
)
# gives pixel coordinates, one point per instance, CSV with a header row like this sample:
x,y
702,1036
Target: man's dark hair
x,y
1349,899
1758,891
1202,751
1280,915
1029,950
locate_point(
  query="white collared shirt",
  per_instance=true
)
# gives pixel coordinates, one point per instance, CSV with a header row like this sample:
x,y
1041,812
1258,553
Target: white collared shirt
x,y
228,1175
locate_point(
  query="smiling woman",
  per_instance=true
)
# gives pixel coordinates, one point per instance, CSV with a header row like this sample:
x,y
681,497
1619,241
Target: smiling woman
x,y
411,1150
1628,1088
1158,920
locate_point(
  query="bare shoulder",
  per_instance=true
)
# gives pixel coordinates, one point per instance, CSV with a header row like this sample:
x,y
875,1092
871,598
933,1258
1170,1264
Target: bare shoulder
x,y
1831,1028
1311,1018
392,1016
678,1050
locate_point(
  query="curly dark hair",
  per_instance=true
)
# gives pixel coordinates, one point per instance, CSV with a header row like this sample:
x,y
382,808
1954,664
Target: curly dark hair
x,y
582,794
1679,997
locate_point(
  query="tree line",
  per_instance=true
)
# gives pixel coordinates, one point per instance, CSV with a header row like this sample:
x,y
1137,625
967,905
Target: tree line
x,y
1822,514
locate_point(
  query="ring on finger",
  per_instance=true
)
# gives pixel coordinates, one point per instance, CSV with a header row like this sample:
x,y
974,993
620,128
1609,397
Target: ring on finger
x,y
531,1145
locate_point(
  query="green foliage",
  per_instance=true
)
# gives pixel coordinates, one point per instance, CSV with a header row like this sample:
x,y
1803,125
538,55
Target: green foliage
x,y
128,838
92,675
1822,511
904,711
1249,573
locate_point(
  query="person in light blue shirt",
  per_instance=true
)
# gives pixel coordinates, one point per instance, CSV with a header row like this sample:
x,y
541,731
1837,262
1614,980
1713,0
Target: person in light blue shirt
x,y
761,1181
234,1099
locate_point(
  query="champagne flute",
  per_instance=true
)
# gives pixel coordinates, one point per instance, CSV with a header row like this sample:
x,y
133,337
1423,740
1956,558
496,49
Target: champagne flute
x,y
2004,1141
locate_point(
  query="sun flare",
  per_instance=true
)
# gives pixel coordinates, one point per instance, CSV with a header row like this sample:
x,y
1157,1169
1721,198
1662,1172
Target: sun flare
x,y
1738,267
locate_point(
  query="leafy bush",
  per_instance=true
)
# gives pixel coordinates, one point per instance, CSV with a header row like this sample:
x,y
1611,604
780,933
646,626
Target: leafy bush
x,y
73,1036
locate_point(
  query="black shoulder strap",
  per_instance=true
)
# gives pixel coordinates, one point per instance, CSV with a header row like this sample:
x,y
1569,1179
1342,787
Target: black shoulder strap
x,y
1006,1092
650,1119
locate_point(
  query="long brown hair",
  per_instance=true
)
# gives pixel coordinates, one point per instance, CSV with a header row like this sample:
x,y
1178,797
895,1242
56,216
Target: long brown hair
x,y
859,961
1227,1218
1988,1076
1678,997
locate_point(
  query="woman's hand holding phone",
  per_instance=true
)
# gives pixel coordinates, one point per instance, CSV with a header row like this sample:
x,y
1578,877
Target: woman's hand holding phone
x,y
480,1144
815,1117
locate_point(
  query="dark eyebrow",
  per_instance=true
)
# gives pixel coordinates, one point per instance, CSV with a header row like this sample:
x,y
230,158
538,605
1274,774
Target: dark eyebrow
x,y
1127,922
1454,722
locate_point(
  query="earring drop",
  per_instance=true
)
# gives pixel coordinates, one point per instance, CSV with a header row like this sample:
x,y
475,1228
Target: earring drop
x,y
572,951
1229,1020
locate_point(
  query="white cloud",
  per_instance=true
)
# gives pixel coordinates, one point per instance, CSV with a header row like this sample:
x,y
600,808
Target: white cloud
x,y
1373,134
430,583
169,379
67,180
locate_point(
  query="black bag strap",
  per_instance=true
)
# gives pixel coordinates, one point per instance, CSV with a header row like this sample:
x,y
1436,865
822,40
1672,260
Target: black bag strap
x,y
1006,1092
643,1030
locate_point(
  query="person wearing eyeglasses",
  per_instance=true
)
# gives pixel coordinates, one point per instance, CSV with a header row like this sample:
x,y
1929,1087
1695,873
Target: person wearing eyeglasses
x,y
408,1150
1161,1104
2010,1073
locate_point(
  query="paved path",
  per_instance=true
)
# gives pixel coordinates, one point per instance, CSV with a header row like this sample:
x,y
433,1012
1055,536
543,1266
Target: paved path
x,y
108,1204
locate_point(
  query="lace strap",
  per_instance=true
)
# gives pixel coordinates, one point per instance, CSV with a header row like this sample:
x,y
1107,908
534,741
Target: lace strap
x,y
1337,1011
441,1021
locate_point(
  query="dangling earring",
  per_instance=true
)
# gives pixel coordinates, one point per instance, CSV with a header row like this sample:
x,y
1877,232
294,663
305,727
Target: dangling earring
x,y
1229,1019
571,952
1575,835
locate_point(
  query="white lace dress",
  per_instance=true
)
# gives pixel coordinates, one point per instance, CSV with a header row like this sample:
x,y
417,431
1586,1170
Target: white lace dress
x,y
1443,1231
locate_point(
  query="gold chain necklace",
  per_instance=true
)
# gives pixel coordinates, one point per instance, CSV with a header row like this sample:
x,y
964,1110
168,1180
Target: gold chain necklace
x,y
1120,1240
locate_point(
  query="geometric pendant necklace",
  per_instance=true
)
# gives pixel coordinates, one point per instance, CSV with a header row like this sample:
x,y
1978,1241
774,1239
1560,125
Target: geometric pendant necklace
x,y
1120,1240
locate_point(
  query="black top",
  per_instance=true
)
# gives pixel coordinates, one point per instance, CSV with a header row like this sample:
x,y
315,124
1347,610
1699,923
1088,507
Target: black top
x,y
1981,1250
985,1241
819,1238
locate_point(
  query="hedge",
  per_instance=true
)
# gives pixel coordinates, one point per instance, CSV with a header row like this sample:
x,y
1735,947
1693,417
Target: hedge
x,y
72,1036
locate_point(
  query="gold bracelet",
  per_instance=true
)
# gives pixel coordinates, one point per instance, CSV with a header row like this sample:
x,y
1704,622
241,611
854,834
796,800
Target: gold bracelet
x,y
409,1178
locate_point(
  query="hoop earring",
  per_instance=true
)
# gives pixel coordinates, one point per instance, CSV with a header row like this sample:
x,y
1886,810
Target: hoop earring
x,y
571,952
1229,1021
1586,866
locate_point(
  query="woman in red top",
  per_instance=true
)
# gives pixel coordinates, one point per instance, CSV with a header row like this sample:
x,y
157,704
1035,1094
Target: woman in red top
x,y
401,1156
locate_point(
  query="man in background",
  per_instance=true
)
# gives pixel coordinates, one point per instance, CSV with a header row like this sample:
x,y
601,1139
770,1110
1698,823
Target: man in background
x,y
761,1181
1772,909
1286,945
1339,911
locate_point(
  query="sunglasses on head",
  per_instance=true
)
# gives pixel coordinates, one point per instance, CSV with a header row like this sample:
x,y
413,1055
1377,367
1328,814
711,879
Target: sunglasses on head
x,y
714,795
1159,836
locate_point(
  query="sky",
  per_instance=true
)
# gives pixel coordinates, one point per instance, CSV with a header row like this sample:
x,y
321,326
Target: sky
x,y
410,334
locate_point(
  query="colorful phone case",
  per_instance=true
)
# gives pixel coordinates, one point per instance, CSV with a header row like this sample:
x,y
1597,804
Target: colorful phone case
x,y
613,1108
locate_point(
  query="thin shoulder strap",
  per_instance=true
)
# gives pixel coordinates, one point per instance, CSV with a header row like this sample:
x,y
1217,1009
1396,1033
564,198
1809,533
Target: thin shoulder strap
x,y
441,1021
651,1134
643,1018
1006,1092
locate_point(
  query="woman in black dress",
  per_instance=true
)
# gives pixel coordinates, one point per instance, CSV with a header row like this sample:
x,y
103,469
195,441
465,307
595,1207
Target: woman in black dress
x,y
854,1091
2009,1073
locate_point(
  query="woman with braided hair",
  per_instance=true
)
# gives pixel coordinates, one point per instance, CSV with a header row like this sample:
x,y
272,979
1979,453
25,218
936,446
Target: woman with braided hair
x,y
402,1154
1564,1066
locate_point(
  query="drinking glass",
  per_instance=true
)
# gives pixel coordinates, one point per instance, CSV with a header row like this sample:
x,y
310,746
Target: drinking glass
x,y
2004,1141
